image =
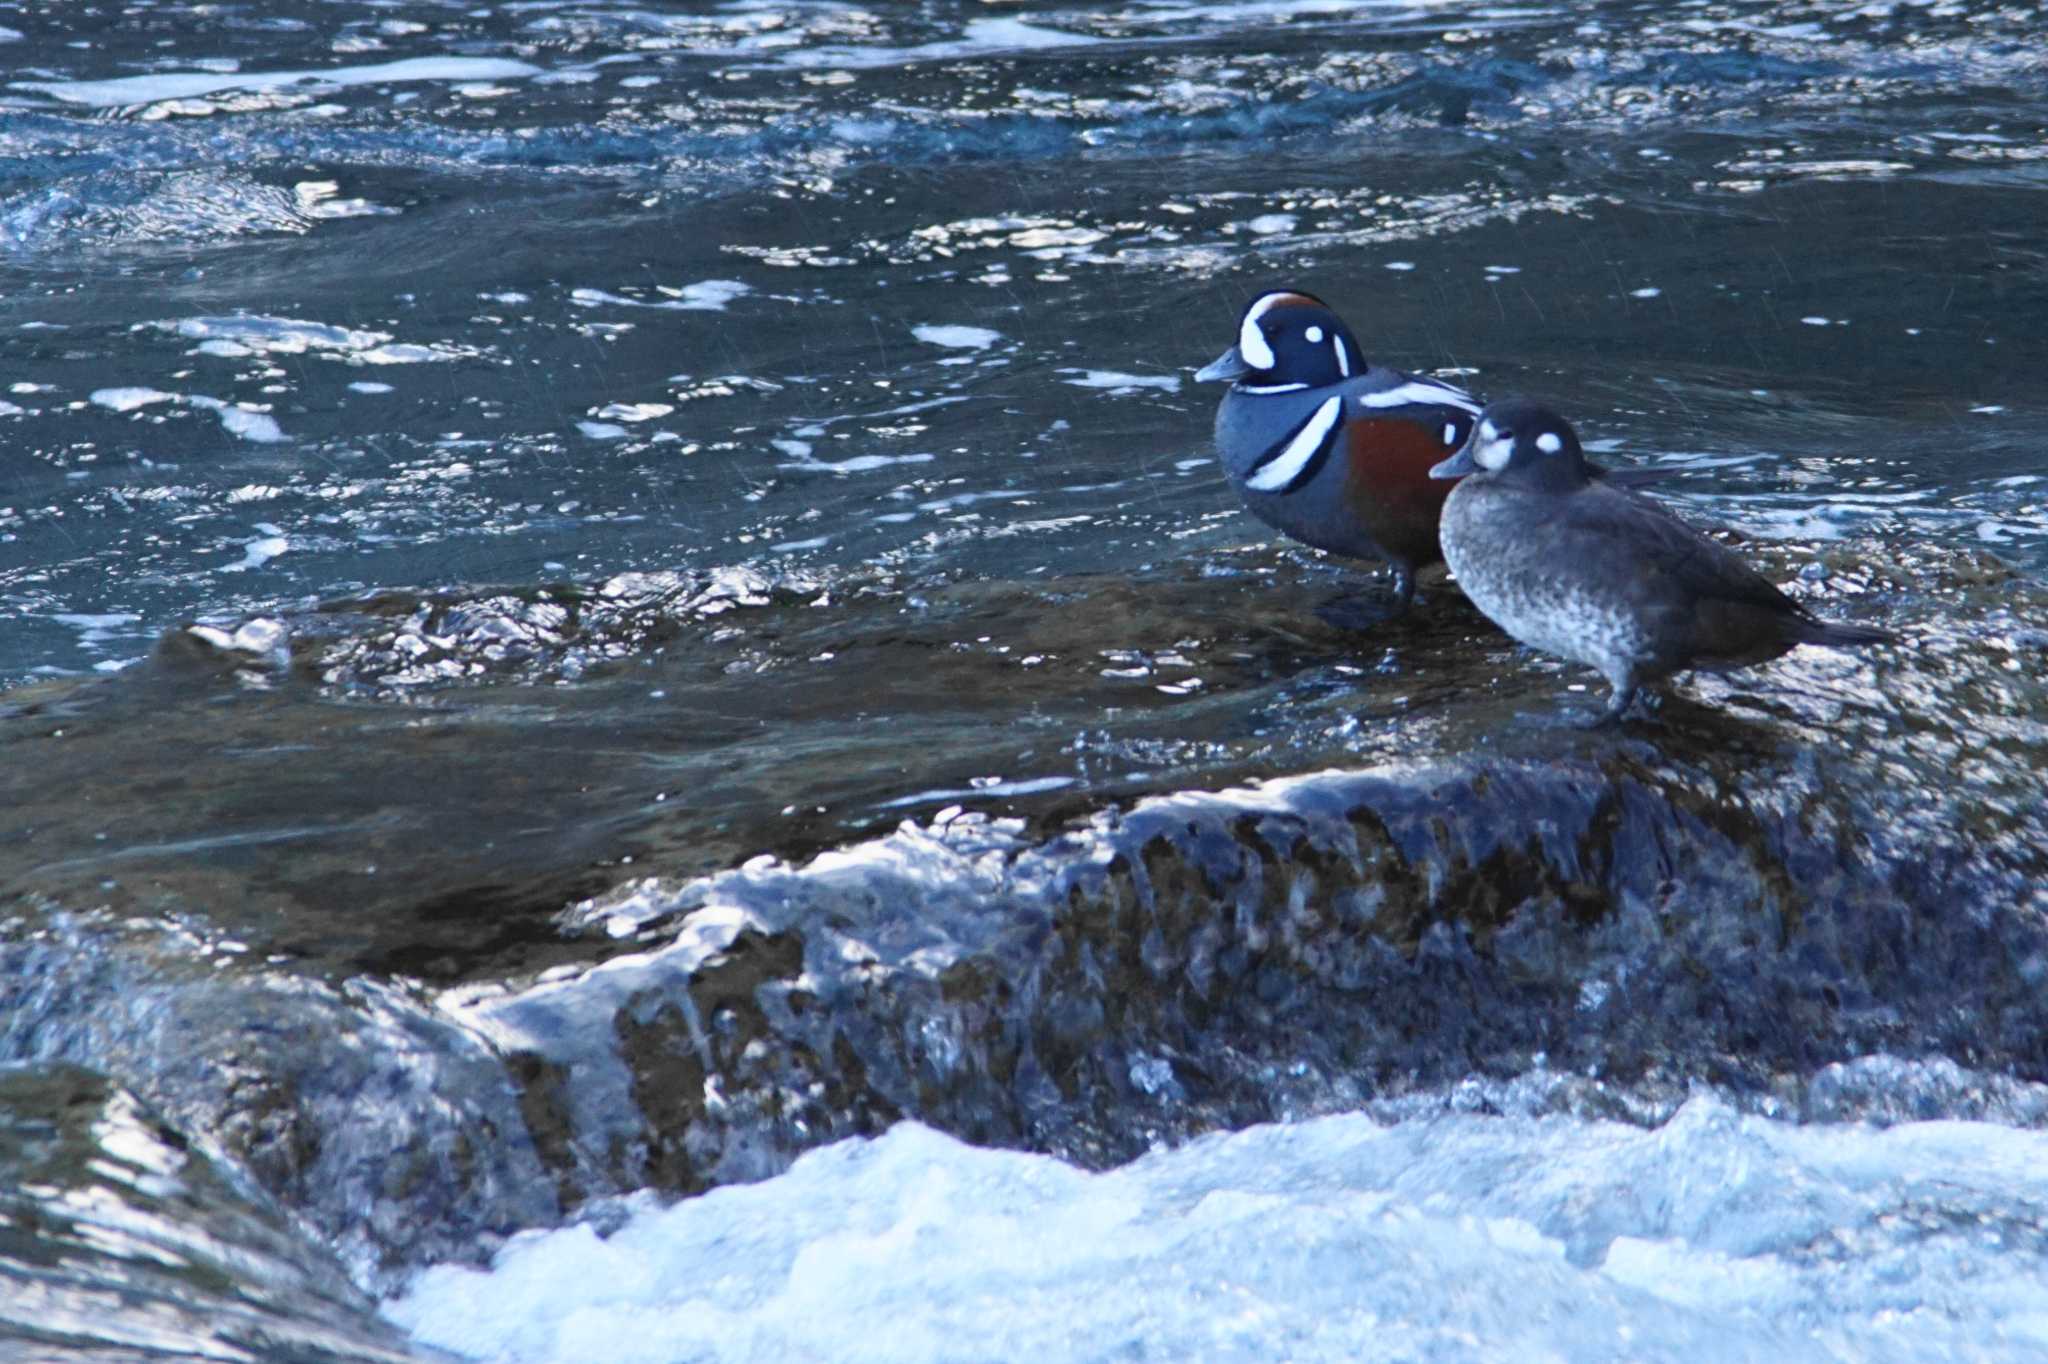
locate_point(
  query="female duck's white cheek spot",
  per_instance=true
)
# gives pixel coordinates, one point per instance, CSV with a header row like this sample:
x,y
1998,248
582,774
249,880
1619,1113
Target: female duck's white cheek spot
x,y
1496,453
1548,443
1251,344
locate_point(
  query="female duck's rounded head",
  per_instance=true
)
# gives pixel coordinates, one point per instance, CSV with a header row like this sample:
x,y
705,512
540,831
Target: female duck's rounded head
x,y
1287,339
1520,440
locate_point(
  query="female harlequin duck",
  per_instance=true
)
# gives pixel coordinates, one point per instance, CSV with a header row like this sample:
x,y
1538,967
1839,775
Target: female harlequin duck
x,y
1572,566
1333,449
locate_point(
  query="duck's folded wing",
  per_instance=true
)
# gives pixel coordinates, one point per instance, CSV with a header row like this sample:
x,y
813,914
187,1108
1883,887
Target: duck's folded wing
x,y
1659,543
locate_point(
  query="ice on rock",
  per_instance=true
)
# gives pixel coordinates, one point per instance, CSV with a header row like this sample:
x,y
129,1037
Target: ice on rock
x,y
1715,1237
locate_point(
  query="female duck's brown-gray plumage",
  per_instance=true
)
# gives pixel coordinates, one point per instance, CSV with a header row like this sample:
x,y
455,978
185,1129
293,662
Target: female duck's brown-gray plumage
x,y
1569,564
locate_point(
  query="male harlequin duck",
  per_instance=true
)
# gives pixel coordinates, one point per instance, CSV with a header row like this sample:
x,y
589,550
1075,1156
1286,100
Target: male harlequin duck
x,y
1328,447
1570,565
1332,449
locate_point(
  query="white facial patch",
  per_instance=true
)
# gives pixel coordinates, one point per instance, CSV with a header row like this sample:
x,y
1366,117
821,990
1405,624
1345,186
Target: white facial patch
x,y
1289,463
1251,339
1548,443
1420,392
1343,356
1450,433
1251,344
1494,451
1315,336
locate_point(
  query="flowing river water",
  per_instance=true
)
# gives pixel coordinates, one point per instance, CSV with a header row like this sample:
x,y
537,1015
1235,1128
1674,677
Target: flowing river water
x,y
638,725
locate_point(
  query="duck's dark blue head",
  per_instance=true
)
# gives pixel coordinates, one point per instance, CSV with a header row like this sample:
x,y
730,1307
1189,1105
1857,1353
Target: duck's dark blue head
x,y
1287,340
1520,441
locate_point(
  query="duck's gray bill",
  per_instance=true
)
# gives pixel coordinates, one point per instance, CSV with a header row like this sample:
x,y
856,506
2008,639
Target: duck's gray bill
x,y
1457,466
1225,368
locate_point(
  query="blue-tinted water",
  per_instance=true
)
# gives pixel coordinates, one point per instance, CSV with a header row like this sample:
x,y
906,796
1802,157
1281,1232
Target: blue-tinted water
x,y
608,445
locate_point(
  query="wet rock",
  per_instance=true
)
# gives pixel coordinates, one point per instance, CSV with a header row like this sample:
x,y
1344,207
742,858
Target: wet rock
x,y
1310,945
1815,888
380,1126
127,1242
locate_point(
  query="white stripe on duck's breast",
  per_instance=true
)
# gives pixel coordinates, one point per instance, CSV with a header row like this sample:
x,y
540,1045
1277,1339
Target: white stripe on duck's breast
x,y
1297,459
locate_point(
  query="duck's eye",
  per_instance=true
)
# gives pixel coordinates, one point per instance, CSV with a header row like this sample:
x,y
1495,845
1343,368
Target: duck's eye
x,y
1549,443
1315,336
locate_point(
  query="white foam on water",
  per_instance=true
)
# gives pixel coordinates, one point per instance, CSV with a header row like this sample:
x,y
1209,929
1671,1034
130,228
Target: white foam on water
x,y
1715,1237
955,337
633,412
990,788
855,464
244,334
97,630
259,551
705,296
1241,11
275,335
322,198
237,420
980,38
240,421
129,399
1119,382
167,85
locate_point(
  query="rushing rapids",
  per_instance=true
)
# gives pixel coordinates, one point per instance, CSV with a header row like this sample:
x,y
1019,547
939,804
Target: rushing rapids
x,y
602,605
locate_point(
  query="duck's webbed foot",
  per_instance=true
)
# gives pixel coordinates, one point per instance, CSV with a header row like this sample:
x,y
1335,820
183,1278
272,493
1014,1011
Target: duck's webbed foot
x,y
1618,701
1404,588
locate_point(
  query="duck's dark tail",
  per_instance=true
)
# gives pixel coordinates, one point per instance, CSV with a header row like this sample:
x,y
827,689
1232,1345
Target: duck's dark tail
x,y
1839,636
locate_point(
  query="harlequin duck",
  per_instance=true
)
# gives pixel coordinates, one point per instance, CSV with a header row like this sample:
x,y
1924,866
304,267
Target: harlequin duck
x,y
1570,565
1333,449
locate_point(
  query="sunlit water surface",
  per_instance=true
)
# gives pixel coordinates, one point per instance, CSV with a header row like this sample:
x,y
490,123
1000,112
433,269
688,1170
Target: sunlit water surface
x,y
596,597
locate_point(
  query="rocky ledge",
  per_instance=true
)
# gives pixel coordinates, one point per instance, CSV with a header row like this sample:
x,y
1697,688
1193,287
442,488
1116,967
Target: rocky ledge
x,y
1776,886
